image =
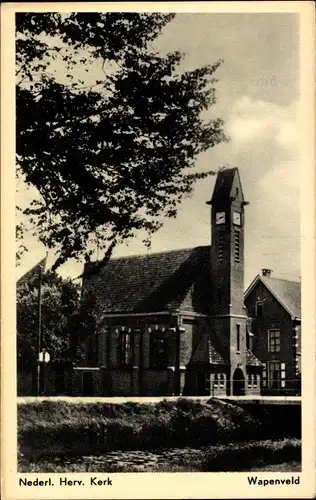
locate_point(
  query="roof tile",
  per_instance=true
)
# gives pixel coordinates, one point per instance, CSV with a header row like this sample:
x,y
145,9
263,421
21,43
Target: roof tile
x,y
287,292
154,282
252,360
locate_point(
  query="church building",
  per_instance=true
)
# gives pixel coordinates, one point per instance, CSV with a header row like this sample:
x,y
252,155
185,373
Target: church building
x,y
174,323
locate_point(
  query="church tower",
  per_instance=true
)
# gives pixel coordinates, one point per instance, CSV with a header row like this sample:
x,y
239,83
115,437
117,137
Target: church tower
x,y
228,315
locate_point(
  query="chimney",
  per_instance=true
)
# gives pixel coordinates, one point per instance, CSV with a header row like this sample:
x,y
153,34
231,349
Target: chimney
x,y
266,272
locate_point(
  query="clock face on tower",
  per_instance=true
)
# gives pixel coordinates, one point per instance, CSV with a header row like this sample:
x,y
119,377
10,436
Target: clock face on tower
x,y
237,218
220,217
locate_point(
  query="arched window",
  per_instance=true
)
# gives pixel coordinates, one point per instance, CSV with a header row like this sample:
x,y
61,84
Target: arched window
x,y
216,380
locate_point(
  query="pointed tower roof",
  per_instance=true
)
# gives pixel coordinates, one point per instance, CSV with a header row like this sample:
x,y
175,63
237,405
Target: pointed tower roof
x,y
227,181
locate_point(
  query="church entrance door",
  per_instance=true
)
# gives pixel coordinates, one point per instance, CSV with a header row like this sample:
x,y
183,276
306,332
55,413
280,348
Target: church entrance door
x,y
238,383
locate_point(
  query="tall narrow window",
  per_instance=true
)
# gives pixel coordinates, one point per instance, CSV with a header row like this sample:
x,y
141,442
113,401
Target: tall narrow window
x,y
274,375
283,376
274,340
238,337
124,354
220,246
264,375
237,246
159,349
259,308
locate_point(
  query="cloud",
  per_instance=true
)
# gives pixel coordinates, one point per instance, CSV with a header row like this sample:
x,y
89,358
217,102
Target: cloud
x,y
253,122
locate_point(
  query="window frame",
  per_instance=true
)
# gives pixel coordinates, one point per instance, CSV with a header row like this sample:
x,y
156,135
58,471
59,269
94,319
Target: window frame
x,y
237,337
154,362
271,380
274,346
124,350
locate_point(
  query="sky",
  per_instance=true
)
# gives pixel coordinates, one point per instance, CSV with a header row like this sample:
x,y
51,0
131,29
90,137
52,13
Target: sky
x,y
258,98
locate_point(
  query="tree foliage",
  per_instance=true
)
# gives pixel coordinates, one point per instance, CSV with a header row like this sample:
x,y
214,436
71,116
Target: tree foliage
x,y
61,326
111,155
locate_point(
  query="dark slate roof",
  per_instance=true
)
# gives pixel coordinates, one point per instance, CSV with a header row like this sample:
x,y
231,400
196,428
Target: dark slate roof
x,y
223,185
252,360
287,293
214,356
147,283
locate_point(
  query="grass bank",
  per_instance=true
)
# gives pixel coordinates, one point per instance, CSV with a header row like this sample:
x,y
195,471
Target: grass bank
x,y
59,428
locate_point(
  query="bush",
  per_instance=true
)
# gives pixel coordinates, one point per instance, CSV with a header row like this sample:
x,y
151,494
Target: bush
x,y
60,427
240,457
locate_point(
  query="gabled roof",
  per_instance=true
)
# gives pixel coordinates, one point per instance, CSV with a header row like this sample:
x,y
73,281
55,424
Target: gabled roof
x,y
206,352
287,293
148,283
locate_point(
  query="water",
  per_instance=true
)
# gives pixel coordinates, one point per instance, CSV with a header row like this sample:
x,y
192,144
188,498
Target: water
x,y
138,460
164,460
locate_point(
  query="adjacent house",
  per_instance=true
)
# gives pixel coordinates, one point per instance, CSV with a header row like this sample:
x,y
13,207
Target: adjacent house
x,y
274,306
174,323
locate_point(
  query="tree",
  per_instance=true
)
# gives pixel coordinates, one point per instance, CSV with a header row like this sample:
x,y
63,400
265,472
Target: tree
x,y
112,155
60,320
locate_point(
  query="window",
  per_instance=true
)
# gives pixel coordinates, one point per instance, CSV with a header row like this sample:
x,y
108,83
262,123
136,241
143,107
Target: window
x,y
264,375
237,246
250,380
283,376
238,337
274,375
255,380
259,308
274,340
124,348
222,380
215,380
159,349
220,247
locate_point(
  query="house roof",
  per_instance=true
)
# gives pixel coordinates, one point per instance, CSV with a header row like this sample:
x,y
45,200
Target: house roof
x,y
147,283
287,293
